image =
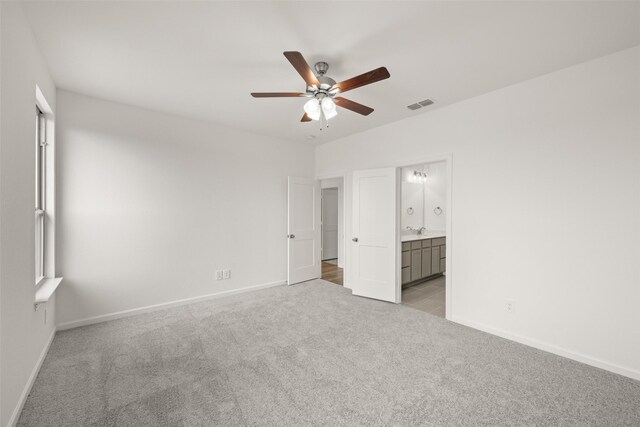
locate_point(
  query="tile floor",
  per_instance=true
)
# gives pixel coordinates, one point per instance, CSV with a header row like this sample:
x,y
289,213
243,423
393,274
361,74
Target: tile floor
x,y
427,296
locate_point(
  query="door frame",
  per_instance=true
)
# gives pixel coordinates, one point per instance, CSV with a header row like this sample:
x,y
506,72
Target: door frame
x,y
342,245
448,159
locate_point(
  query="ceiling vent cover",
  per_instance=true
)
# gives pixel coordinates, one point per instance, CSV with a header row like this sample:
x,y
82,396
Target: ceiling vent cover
x,y
420,104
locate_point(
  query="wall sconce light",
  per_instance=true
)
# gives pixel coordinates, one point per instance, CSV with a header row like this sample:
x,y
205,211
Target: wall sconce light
x,y
419,177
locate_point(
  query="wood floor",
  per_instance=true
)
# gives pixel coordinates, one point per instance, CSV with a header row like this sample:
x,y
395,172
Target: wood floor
x,y
332,273
427,296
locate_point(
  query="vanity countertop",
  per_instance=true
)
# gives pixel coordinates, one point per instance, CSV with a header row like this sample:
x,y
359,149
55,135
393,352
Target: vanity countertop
x,y
431,234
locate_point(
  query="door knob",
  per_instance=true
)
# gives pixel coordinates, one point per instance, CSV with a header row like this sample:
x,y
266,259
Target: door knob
x,y
355,239
291,236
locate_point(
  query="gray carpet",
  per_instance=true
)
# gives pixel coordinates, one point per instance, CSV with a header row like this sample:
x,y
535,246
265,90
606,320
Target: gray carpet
x,y
312,354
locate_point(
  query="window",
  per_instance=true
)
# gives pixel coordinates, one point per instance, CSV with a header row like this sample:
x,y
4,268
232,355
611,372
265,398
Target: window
x,y
41,186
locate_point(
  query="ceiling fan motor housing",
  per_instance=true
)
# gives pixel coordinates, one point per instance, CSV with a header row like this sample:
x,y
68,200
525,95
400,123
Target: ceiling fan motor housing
x,y
326,83
321,69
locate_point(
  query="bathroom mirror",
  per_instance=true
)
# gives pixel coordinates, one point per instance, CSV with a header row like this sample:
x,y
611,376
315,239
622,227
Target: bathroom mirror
x,y
412,201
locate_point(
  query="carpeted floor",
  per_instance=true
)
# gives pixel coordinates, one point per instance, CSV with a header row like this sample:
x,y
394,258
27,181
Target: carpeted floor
x,y
313,354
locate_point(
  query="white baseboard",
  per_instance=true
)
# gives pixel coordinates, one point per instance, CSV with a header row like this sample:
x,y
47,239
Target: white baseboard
x,y
32,378
588,360
134,311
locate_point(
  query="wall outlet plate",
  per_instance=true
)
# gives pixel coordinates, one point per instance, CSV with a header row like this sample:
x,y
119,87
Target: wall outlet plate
x,y
226,274
218,274
509,305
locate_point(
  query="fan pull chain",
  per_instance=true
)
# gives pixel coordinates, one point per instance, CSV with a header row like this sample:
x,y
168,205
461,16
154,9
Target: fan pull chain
x,y
324,123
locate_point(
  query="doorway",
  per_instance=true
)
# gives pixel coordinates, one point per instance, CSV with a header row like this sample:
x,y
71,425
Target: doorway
x,y
423,236
379,251
332,220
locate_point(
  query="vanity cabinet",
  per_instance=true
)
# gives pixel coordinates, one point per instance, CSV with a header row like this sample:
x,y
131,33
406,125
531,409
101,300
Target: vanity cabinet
x,y
435,260
426,262
406,259
406,275
416,264
422,259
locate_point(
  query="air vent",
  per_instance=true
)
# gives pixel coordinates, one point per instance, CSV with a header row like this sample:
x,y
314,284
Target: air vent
x,y
420,104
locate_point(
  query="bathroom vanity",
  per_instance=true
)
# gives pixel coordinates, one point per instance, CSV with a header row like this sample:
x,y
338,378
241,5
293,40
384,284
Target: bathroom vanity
x,y
423,257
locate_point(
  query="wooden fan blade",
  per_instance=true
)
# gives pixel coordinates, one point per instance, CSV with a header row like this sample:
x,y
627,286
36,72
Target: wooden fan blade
x,y
277,94
353,106
305,118
363,79
301,66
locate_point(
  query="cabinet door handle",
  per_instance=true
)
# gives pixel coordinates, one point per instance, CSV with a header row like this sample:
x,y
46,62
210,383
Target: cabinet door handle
x,y
291,236
355,239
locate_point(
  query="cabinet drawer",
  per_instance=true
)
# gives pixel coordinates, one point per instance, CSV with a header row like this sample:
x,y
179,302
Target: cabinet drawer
x,y
406,246
426,243
435,260
439,241
406,275
426,262
443,265
406,259
416,265
416,245
443,251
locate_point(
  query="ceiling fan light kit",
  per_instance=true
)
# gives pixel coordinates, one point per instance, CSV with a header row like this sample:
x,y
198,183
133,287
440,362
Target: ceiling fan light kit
x,y
324,90
318,106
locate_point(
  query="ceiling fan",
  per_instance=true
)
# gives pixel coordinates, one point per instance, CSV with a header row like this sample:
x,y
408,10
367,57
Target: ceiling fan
x,y
324,91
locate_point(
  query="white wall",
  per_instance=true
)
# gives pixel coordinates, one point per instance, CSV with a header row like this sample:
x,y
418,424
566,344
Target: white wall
x,y
545,205
152,204
23,331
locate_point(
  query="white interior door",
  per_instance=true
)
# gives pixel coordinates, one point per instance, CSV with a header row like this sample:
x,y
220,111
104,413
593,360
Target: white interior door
x,y
329,223
303,230
375,229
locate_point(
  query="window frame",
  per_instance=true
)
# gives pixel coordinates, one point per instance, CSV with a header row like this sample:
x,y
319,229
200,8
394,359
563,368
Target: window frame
x,y
40,195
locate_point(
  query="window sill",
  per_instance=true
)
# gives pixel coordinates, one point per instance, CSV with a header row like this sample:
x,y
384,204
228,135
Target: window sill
x,y
46,288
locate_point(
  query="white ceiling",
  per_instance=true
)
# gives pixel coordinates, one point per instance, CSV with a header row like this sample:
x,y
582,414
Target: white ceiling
x,y
202,59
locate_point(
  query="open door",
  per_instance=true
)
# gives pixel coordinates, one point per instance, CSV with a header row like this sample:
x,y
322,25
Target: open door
x,y
374,240
304,230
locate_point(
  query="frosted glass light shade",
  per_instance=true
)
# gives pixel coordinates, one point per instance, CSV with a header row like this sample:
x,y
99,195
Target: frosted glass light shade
x,y
312,108
329,108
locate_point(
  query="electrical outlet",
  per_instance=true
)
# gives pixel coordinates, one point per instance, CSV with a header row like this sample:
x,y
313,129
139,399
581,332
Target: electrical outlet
x,y
509,305
226,274
218,274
